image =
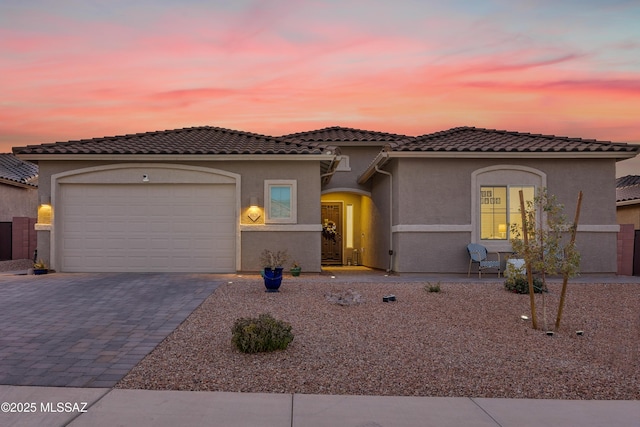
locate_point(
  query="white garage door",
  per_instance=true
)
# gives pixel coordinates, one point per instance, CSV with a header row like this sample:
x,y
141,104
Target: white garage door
x,y
147,228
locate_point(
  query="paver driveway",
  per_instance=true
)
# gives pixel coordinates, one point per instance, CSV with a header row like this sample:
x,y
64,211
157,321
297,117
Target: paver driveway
x,y
89,330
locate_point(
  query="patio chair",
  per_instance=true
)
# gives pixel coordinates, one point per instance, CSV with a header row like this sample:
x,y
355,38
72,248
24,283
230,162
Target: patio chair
x,y
478,255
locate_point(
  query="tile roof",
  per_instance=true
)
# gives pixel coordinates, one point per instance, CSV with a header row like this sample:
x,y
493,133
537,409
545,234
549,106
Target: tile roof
x,y
195,140
471,139
628,180
628,188
338,135
15,170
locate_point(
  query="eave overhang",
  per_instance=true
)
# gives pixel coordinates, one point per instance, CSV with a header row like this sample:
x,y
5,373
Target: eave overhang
x,y
17,184
384,156
628,202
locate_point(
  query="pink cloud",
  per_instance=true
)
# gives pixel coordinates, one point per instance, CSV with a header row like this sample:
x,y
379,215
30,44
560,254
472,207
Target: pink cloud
x,y
268,70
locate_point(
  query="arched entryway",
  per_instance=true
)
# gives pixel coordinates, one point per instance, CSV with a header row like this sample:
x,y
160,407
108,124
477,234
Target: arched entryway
x,y
347,223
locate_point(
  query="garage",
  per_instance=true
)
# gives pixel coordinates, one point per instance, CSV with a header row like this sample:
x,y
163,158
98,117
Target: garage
x,y
147,227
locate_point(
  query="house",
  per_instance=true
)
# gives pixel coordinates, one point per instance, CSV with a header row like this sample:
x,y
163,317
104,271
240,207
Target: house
x,y
420,201
201,199
208,199
18,207
628,200
628,216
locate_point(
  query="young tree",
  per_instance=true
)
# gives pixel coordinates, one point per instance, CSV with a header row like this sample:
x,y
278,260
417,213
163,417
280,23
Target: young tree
x,y
544,243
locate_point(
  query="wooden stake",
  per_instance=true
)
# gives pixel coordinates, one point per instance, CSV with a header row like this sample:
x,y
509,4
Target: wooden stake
x,y
534,320
565,277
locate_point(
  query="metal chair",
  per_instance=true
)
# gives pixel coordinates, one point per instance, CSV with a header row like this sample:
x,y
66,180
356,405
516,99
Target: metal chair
x,y
478,255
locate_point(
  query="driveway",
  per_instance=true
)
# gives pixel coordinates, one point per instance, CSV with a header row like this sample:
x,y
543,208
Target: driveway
x,y
89,330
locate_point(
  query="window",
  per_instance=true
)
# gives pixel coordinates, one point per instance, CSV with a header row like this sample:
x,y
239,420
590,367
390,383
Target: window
x,y
499,208
280,197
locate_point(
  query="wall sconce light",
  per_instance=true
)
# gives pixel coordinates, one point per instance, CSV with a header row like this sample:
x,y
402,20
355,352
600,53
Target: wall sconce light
x,y
254,210
44,210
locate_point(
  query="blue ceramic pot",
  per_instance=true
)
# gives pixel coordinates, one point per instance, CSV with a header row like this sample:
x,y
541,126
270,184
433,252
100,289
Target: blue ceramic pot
x,y
272,278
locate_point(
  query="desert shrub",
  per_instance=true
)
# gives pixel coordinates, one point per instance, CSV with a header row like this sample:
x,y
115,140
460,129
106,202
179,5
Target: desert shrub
x,y
432,288
264,333
520,285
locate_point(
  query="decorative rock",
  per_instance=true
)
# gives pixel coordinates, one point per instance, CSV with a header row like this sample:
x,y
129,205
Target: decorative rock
x,y
348,297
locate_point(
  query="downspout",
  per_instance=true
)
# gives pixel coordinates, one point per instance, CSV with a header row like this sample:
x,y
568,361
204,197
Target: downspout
x,y
390,269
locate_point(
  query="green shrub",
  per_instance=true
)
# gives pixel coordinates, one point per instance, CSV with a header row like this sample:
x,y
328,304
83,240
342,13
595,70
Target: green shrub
x,y
264,333
520,285
432,288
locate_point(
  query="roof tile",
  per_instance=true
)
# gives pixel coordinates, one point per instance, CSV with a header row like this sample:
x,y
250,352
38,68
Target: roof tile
x,y
14,169
338,134
195,140
473,139
628,188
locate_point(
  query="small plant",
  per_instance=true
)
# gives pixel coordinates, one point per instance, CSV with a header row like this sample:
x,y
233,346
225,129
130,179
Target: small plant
x,y
40,265
271,259
295,269
517,282
432,288
261,334
520,285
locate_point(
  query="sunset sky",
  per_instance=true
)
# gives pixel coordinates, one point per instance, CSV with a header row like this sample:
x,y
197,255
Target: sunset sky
x,y
73,69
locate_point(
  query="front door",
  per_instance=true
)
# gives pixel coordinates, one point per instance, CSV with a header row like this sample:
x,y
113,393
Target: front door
x,y
332,233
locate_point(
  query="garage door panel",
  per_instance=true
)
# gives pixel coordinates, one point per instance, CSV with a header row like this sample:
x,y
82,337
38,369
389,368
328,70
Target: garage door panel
x,y
189,228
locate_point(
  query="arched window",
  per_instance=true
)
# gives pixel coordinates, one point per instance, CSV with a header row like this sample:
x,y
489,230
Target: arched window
x,y
496,201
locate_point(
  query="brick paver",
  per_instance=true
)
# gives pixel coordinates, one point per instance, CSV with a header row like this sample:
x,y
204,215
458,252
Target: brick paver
x,y
89,330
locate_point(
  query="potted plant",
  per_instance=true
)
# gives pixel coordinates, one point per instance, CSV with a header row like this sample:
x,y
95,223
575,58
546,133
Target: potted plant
x,y
295,269
40,267
272,273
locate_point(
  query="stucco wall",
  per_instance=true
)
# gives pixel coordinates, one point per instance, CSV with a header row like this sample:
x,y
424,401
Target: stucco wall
x,y
629,215
22,202
359,159
437,192
302,247
379,244
253,174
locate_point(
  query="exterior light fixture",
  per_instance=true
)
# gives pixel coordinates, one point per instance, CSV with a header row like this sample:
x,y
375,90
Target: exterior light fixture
x,y
254,210
44,210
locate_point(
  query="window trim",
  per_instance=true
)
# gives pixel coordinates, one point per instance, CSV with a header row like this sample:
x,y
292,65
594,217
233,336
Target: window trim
x,y
500,175
293,185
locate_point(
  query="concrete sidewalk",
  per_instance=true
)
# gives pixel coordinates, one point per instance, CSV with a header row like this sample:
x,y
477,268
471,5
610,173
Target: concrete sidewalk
x,y
54,406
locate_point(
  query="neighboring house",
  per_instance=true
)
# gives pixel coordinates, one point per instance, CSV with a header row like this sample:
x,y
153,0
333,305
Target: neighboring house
x,y
628,200
210,200
628,215
18,207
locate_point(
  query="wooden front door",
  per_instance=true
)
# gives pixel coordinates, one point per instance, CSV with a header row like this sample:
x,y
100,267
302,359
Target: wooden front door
x,y
332,233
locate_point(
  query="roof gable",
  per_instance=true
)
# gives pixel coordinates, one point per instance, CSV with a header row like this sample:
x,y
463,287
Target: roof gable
x,y
13,169
194,140
471,139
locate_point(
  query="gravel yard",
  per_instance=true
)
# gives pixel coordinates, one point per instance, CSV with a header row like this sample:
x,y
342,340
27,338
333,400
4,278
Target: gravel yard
x,y
16,265
468,340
